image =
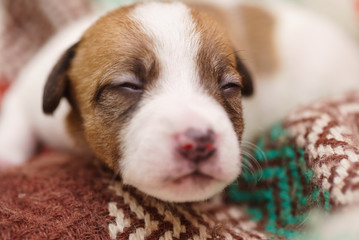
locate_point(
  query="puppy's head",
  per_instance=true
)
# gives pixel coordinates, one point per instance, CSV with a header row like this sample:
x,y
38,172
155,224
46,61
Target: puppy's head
x,y
155,90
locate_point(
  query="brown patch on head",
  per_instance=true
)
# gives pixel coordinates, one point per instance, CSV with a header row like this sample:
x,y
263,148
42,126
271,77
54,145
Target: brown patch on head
x,y
258,30
216,65
112,47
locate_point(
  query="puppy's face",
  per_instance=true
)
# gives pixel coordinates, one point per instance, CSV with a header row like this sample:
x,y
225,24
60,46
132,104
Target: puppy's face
x,y
156,93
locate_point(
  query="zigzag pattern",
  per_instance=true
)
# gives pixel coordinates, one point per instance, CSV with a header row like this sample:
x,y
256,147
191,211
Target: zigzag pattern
x,y
139,217
329,133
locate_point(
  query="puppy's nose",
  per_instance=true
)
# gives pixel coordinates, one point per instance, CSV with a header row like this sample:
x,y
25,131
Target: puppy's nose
x,y
197,145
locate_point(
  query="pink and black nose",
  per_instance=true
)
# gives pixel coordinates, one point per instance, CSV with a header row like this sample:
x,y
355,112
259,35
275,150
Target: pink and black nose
x,y
196,145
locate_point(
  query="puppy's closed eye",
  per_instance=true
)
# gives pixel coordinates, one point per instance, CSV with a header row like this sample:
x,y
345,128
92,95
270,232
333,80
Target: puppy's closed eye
x,y
131,87
230,86
126,85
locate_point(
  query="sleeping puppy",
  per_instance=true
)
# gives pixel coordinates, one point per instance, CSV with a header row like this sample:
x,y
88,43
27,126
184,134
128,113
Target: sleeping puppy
x,y
155,91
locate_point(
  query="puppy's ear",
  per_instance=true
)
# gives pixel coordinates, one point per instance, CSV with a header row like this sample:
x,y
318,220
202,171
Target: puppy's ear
x,y
247,82
57,82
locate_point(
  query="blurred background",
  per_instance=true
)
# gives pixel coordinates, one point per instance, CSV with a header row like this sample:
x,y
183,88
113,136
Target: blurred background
x,y
26,25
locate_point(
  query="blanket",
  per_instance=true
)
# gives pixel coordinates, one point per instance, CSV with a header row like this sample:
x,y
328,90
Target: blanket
x,y
310,160
307,161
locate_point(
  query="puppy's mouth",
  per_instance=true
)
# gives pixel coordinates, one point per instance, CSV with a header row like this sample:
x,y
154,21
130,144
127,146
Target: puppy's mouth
x,y
196,177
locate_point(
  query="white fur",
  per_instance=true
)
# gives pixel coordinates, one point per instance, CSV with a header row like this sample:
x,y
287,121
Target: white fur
x,y
22,121
177,104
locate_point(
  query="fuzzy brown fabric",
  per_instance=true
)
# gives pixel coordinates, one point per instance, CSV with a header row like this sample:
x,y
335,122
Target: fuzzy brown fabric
x,y
58,196
55,197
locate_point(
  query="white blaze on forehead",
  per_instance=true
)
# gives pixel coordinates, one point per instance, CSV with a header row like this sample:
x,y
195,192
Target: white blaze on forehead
x,y
175,40
175,104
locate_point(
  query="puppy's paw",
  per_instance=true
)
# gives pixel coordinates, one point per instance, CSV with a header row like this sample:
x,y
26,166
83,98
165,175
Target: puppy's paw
x,y
11,156
17,138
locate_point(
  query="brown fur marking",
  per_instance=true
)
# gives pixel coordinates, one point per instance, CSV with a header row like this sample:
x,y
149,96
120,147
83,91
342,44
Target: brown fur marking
x,y
114,45
57,82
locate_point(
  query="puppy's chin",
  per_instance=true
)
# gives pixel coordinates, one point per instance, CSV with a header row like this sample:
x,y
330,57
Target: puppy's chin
x,y
188,188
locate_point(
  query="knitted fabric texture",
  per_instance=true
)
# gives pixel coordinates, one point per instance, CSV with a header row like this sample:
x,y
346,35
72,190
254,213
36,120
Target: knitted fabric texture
x,y
308,161
282,188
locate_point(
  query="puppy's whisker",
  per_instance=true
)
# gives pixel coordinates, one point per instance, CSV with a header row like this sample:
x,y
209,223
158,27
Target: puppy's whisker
x,y
250,172
254,148
249,167
249,156
251,164
249,144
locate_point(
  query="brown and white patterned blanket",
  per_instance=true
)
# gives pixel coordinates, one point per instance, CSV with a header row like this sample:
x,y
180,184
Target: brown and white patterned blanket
x,y
60,196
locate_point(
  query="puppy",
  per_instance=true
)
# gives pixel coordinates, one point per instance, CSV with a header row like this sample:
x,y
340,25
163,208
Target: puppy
x,y
155,90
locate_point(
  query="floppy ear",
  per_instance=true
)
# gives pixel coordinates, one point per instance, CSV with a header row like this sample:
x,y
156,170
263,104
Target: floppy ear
x,y
57,82
247,82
